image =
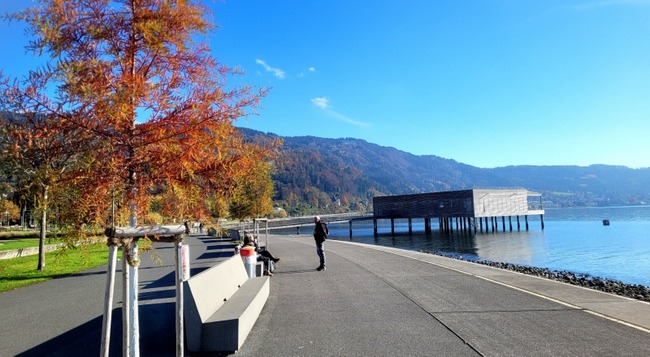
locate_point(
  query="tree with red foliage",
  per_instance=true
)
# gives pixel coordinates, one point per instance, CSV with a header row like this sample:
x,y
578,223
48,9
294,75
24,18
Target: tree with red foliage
x,y
151,100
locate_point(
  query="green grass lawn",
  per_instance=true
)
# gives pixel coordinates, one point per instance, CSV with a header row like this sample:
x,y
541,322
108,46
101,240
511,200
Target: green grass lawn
x,y
18,272
25,243
17,239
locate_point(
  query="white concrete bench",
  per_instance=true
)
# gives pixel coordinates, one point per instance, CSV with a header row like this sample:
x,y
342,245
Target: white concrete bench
x,y
222,305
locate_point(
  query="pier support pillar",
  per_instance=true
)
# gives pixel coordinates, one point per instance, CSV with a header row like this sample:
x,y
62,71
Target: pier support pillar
x,y
510,222
518,224
410,226
392,226
374,223
526,218
350,229
541,217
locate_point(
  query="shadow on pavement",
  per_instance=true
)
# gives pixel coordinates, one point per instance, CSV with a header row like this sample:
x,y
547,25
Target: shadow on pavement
x,y
157,335
216,254
283,272
81,341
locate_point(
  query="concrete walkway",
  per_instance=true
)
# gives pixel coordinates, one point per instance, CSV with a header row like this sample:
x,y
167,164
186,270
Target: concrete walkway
x,y
63,317
371,301
378,301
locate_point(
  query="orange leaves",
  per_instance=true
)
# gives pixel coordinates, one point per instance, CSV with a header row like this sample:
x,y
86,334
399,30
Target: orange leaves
x,y
135,89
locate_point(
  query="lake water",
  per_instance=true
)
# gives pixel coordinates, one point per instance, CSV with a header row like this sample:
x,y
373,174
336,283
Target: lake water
x,y
574,239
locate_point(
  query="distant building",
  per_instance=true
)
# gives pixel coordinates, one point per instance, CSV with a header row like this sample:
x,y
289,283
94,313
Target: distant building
x,y
468,207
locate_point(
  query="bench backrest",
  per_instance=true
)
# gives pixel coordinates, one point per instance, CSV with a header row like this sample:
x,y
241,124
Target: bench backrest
x,y
209,289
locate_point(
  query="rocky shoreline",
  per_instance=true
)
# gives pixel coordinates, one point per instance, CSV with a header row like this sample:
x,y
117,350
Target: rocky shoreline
x,y
633,291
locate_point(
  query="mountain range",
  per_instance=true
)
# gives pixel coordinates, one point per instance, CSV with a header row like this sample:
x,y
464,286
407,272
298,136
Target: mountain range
x,y
313,173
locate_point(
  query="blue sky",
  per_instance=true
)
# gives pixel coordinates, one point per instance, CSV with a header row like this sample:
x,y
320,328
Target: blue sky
x,y
485,82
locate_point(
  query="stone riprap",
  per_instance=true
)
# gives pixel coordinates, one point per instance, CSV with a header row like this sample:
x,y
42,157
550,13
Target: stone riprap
x,y
634,291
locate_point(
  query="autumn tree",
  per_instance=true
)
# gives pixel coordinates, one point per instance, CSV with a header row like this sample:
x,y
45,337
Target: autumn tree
x,y
9,211
135,75
41,149
253,194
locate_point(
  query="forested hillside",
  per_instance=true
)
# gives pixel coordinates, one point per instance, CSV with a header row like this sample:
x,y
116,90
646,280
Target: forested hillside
x,y
325,175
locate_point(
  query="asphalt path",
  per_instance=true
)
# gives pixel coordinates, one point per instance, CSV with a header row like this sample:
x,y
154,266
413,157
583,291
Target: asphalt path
x,y
371,301
63,317
378,301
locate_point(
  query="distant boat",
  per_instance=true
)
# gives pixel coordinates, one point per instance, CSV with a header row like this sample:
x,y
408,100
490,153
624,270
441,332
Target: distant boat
x,y
605,222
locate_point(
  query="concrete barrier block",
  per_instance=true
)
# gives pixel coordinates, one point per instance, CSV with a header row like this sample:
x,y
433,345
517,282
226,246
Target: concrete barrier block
x,y
206,292
222,305
228,328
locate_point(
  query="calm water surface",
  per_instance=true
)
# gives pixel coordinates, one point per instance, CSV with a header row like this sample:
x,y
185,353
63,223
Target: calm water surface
x,y
574,239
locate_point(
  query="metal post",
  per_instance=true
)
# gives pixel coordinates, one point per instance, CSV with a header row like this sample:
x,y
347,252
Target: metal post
x,y
131,323
133,291
108,301
180,338
266,232
126,301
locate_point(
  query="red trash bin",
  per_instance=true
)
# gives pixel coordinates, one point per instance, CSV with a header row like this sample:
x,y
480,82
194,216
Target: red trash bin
x,y
249,257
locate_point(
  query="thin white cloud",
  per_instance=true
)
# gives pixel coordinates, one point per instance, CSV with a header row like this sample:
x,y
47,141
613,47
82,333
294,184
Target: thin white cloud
x,y
309,70
323,103
276,71
346,119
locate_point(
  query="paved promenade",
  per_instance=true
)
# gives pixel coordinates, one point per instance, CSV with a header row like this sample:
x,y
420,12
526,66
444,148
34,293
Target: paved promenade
x,y
376,301
371,301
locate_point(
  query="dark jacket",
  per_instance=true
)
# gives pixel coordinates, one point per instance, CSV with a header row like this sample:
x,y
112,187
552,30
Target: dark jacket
x,y
320,232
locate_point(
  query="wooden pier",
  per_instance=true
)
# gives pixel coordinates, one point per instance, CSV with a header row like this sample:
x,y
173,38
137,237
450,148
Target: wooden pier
x,y
482,210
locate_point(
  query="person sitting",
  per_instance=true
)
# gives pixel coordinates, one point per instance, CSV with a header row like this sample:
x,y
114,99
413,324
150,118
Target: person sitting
x,y
262,254
250,239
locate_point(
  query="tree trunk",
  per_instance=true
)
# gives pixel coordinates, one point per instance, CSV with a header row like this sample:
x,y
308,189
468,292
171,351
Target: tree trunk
x,y
41,240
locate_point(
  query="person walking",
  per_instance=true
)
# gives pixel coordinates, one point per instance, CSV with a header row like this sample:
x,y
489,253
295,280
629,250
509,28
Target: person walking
x,y
320,235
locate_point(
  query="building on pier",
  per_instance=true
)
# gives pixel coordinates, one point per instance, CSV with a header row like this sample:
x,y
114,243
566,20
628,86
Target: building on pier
x,y
475,209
